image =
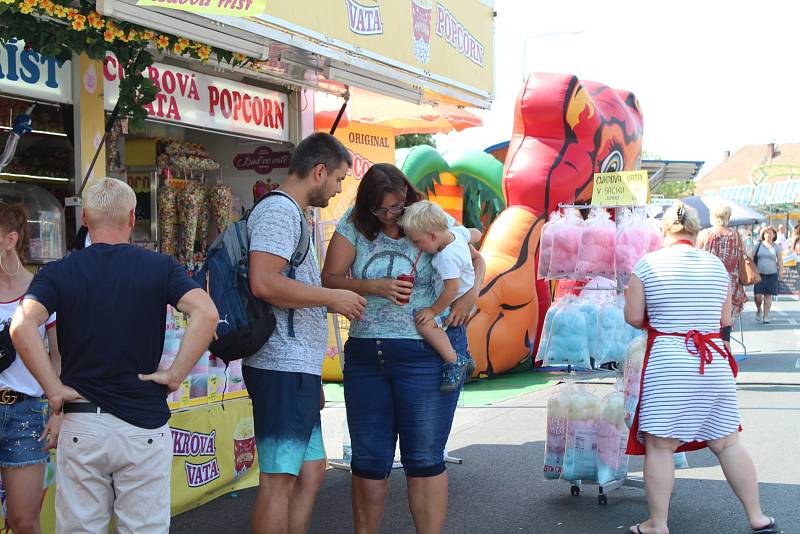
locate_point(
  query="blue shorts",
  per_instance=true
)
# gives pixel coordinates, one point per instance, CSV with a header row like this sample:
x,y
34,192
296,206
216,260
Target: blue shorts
x,y
21,425
286,417
391,387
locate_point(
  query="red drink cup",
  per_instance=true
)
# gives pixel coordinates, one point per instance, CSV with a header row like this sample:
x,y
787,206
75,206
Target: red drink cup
x,y
405,278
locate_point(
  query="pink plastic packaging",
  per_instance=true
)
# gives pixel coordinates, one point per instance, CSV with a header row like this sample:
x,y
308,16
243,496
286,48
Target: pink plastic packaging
x,y
566,246
633,241
546,244
598,243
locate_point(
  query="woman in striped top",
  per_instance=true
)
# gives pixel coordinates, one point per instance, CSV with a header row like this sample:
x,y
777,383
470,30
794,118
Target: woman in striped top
x,y
688,398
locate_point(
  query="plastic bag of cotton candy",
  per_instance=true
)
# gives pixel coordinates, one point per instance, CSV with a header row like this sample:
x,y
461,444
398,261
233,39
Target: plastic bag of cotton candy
x,y
564,336
613,333
580,452
632,376
556,441
598,243
612,437
633,241
546,243
566,246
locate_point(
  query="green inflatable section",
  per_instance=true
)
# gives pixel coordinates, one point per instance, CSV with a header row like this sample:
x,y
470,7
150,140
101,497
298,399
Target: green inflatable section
x,y
420,162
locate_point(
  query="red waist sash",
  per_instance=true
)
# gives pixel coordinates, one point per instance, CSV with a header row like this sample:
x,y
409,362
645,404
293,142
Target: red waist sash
x,y
703,345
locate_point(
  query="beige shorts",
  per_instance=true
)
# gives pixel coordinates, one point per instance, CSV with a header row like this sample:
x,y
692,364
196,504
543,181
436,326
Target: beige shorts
x,y
107,467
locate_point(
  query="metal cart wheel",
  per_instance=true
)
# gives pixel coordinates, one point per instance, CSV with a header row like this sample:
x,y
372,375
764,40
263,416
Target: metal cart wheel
x,y
575,490
602,499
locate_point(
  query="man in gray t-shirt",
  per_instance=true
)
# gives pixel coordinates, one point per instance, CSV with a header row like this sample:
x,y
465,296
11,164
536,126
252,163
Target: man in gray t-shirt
x,y
283,377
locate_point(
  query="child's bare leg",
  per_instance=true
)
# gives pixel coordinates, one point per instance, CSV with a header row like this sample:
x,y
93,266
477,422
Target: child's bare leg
x,y
438,340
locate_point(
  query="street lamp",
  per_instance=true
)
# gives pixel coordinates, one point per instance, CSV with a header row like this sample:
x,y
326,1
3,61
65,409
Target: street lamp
x,y
537,36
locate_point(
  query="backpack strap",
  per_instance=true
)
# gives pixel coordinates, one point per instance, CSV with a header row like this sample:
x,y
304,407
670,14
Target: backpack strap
x,y
299,254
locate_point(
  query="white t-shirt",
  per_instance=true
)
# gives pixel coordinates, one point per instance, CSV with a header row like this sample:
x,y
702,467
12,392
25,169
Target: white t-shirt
x,y
17,376
454,262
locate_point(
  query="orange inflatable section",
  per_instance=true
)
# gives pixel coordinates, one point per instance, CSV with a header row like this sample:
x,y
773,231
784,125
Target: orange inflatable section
x,y
565,130
509,307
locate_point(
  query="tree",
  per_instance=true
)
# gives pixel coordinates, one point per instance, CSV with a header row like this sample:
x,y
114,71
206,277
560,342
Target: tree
x,y
409,140
675,189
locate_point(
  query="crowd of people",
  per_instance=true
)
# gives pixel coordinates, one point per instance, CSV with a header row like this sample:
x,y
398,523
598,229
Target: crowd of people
x,y
405,275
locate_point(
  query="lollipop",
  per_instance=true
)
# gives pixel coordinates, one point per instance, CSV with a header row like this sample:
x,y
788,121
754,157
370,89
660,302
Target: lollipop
x,y
168,220
220,199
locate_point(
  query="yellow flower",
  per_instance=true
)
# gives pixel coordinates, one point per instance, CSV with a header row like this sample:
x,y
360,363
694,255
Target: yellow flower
x,y
79,24
25,9
178,49
149,35
72,13
133,34
108,36
162,42
239,58
30,3
184,43
60,11
48,6
7,1
204,52
95,20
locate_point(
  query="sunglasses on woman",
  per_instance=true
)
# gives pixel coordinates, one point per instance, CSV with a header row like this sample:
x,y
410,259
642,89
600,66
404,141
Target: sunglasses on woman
x,y
394,210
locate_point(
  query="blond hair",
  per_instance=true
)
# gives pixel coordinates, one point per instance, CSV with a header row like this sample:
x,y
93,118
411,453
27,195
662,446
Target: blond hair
x,y
721,214
424,216
109,202
680,219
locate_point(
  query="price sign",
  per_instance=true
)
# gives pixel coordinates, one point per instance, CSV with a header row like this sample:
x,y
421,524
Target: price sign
x,y
626,188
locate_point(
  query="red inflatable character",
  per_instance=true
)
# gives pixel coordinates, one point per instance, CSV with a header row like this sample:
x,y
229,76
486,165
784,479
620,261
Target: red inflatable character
x,y
565,130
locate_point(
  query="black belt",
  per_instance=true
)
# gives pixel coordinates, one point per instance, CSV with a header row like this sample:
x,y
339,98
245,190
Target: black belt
x,y
83,407
9,396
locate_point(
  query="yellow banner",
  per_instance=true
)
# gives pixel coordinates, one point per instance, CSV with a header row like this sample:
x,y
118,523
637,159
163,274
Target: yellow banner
x,y
626,188
228,8
214,453
452,39
367,145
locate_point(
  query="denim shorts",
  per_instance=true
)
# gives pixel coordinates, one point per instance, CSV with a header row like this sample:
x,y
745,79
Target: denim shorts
x,y
287,420
21,425
391,388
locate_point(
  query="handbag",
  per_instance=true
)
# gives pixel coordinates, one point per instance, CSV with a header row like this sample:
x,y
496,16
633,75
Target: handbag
x,y
748,270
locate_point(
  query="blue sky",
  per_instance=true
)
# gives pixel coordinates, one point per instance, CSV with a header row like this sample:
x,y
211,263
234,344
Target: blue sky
x,y
710,75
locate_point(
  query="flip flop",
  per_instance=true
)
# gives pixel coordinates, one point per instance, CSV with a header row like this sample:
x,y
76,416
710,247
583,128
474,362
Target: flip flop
x,y
639,531
772,528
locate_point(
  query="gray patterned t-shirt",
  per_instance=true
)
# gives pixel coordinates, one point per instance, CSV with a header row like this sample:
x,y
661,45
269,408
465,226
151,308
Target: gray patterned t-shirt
x,y
274,227
385,257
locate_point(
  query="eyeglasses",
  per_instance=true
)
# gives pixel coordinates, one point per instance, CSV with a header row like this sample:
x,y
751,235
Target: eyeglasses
x,y
394,210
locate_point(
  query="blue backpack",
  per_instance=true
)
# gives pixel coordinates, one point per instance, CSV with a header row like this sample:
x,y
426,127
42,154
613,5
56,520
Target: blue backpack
x,y
245,321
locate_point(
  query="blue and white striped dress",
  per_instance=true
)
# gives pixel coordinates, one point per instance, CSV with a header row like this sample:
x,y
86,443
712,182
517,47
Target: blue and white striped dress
x,y
685,289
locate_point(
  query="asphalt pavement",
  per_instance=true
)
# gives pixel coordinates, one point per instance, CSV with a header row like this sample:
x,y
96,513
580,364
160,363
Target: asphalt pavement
x,y
499,488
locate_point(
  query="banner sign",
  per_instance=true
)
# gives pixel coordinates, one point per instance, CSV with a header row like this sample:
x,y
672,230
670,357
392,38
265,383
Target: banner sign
x,y
228,8
367,144
448,40
214,453
188,97
263,160
28,74
765,194
626,188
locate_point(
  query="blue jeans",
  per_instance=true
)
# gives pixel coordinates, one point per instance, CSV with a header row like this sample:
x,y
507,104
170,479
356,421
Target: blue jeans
x,y
21,424
391,387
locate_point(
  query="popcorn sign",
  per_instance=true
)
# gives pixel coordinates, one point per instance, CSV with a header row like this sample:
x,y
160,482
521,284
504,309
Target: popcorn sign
x,y
192,444
196,99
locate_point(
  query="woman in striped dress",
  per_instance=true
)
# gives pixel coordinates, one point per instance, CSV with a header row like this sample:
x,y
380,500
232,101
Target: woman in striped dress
x,y
688,398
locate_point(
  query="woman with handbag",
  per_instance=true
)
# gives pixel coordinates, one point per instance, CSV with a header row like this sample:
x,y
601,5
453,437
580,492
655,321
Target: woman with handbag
x,y
26,433
769,259
726,244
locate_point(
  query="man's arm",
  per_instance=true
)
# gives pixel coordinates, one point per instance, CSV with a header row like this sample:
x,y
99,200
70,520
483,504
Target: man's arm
x,y
203,319
270,284
28,316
